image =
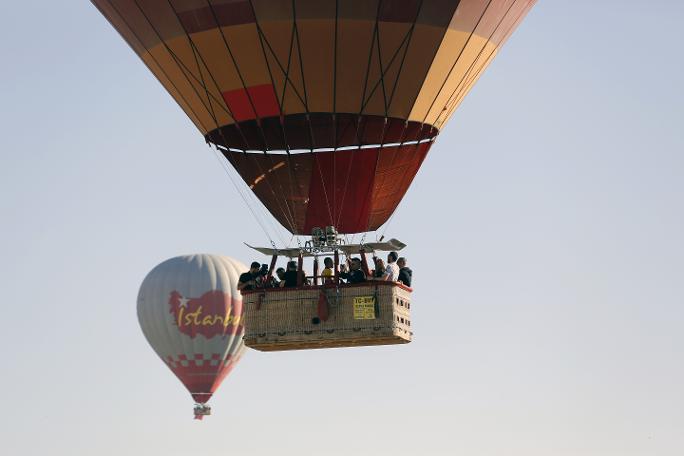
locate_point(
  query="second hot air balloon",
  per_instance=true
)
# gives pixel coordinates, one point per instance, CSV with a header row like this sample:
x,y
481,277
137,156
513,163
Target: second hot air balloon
x,y
190,311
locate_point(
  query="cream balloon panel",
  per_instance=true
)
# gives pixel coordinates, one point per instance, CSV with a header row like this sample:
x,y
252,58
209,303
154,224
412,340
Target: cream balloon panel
x,y
463,87
202,76
198,69
447,73
180,89
515,13
193,86
439,66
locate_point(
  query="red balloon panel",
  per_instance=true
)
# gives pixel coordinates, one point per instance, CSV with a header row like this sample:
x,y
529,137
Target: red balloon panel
x,y
354,190
202,373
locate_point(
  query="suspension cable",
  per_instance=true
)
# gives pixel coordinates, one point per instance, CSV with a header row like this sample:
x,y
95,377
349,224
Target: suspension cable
x,y
457,95
286,213
407,40
161,68
465,45
334,115
290,167
183,70
226,169
362,107
306,107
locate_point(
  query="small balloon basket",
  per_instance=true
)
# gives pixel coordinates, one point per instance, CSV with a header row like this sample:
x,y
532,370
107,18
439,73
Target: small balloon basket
x,y
370,313
201,410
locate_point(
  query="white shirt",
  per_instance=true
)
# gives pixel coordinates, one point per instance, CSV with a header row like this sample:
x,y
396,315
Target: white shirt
x,y
391,272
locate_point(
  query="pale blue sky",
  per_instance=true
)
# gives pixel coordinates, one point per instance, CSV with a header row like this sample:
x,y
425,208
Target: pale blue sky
x,y
544,229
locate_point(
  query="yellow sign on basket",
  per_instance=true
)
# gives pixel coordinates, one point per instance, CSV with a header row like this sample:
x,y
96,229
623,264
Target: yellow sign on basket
x,y
364,308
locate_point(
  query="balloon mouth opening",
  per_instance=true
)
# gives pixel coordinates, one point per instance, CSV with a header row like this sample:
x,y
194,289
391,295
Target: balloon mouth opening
x,y
201,398
322,131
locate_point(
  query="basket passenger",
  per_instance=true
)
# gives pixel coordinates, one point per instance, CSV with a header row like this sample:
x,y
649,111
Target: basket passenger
x,y
305,277
380,269
249,280
280,273
290,275
392,270
355,273
328,272
405,273
272,282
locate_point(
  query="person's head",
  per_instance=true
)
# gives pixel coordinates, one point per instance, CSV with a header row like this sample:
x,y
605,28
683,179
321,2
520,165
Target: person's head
x,y
254,267
401,262
280,272
328,262
392,257
379,263
355,263
291,265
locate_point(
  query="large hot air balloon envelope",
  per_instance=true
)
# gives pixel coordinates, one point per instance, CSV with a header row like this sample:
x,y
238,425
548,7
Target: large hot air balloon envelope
x,y
326,108
190,311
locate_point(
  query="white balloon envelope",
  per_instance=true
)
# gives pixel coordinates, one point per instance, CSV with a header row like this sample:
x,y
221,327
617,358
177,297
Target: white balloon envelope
x,y
190,311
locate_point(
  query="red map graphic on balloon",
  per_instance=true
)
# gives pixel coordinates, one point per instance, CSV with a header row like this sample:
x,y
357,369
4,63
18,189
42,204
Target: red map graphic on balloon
x,y
212,314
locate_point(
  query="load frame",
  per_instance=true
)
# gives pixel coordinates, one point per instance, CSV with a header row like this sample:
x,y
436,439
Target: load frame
x,y
327,315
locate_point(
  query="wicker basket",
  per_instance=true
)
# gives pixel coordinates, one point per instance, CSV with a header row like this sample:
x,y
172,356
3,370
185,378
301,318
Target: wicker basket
x,y
372,313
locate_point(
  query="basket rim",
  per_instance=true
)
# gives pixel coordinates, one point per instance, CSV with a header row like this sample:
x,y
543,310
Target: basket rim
x,y
369,283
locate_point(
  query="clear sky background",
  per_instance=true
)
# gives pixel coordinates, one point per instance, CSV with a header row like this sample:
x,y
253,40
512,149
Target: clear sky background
x,y
545,230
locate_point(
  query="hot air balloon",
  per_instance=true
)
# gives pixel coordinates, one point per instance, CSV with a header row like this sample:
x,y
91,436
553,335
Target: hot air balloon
x,y
190,311
326,108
